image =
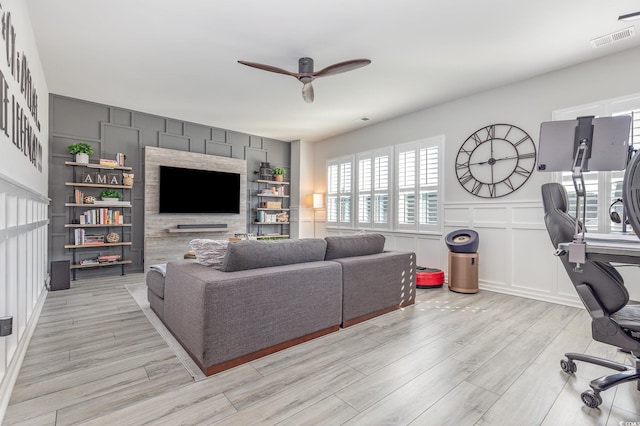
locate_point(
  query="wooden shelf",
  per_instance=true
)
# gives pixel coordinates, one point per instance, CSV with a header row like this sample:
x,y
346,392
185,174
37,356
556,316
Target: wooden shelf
x,y
95,166
271,223
97,206
280,210
96,185
77,225
260,237
272,196
114,204
100,265
74,246
186,230
272,181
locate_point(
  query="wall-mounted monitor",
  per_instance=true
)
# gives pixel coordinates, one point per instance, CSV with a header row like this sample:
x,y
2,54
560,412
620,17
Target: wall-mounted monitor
x,y
608,141
194,191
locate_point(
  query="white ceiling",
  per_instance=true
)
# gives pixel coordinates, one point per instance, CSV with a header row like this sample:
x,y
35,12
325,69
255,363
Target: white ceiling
x,y
179,58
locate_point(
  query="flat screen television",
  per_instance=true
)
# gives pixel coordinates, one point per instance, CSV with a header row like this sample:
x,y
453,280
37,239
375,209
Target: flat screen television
x,y
185,190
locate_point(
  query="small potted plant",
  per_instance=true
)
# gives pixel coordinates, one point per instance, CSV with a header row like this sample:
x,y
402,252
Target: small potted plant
x,y
110,195
82,151
278,173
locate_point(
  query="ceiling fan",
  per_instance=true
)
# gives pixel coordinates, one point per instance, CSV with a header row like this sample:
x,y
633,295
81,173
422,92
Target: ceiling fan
x,y
306,74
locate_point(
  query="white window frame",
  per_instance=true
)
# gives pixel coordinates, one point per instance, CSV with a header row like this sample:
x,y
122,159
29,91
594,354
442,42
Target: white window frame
x,y
340,192
374,192
603,181
392,225
416,147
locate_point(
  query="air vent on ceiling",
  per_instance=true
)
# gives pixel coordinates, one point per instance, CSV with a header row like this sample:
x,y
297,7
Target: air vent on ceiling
x,y
613,37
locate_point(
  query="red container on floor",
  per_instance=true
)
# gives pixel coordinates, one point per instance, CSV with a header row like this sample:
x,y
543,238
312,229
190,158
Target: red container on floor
x,y
429,278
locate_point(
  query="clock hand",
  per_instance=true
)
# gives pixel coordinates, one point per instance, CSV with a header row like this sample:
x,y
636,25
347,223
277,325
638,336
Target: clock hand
x,y
493,160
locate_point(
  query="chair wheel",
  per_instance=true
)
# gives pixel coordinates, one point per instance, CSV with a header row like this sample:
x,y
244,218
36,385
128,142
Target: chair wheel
x,y
591,399
568,366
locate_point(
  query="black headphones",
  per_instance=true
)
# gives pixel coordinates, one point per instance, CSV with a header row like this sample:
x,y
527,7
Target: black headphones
x,y
614,215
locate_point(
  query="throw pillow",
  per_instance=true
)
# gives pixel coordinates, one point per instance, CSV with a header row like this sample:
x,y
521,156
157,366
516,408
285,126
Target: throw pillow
x,y
209,252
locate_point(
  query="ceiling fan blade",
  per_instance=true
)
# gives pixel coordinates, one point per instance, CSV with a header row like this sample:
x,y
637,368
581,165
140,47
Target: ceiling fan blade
x,y
342,67
268,68
307,92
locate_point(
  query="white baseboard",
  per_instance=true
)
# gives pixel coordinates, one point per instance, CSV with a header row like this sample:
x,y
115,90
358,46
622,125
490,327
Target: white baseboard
x,y
11,375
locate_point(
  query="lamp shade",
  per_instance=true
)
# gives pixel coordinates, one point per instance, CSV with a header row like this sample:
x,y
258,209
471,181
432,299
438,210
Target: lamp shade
x,y
318,201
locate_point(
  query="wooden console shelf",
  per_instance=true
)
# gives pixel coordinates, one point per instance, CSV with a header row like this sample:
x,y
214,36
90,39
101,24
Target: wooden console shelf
x,y
99,265
183,230
112,225
95,166
96,185
271,182
74,246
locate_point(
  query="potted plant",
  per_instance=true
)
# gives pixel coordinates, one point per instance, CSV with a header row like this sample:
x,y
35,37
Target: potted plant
x,y
82,151
278,173
110,195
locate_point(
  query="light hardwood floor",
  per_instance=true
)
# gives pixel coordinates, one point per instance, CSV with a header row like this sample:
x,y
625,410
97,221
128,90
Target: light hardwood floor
x,y
450,359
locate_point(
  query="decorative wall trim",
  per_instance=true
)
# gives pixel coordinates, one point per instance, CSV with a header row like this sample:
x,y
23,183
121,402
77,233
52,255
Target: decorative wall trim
x,y
518,261
23,268
11,375
111,130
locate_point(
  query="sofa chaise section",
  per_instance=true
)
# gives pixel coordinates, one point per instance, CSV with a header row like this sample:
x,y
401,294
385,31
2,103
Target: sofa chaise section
x,y
374,281
226,318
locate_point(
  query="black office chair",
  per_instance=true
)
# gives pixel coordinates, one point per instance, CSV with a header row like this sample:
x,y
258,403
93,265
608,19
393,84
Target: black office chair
x,y
602,291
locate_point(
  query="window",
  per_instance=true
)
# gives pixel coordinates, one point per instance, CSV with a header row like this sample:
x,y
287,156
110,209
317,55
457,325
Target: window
x,y
374,176
339,182
602,188
394,188
418,185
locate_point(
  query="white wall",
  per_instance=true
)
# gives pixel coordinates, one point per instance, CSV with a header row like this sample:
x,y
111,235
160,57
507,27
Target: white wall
x,y
515,251
23,202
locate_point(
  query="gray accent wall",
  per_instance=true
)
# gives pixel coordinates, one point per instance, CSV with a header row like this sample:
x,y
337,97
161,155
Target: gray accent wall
x,y
110,129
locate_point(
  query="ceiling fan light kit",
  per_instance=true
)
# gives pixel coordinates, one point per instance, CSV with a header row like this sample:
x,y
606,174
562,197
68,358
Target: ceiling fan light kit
x,y
306,74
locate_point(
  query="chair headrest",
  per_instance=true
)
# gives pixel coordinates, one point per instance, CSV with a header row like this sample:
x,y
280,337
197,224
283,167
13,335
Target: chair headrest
x,y
554,197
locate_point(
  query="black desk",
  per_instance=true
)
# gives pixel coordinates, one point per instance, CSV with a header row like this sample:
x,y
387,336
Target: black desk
x,y
615,248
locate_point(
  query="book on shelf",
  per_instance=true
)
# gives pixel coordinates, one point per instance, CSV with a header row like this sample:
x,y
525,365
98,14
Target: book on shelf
x,y
78,236
108,163
102,216
78,196
109,258
92,261
94,239
120,159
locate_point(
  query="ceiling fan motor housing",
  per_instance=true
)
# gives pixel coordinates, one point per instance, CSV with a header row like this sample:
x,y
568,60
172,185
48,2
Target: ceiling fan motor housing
x,y
305,66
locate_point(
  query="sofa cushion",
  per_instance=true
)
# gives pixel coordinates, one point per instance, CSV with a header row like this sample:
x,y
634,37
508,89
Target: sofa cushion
x,y
354,245
253,254
209,252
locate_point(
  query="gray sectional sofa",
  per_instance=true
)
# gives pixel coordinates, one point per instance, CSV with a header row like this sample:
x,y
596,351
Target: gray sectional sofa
x,y
268,296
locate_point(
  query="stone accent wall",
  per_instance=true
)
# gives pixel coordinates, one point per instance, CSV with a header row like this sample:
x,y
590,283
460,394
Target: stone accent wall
x,y
161,245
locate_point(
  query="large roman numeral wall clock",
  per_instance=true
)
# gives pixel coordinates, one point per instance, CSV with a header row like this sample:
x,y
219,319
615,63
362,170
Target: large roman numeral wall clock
x,y
495,160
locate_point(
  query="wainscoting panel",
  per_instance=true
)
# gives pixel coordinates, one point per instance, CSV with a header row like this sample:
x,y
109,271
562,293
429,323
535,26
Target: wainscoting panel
x,y
23,269
528,216
527,275
458,216
494,268
487,216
